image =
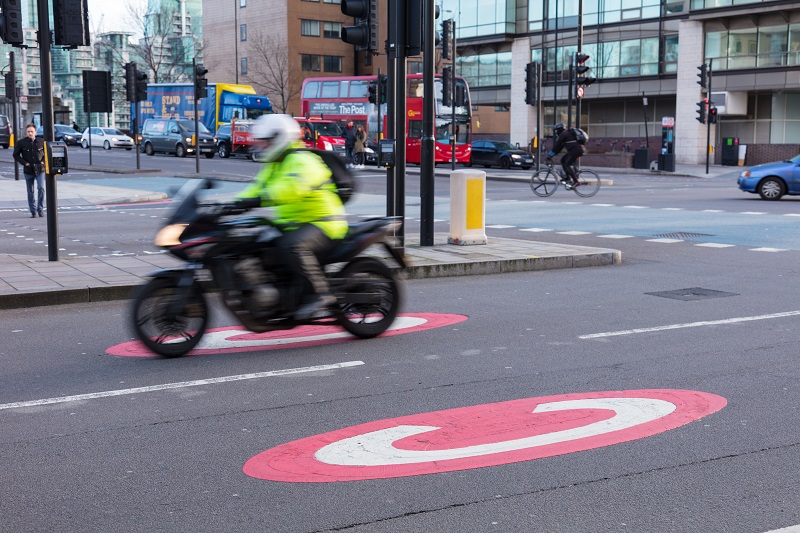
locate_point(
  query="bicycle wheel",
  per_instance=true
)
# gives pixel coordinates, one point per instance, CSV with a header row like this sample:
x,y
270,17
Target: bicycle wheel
x,y
544,183
589,183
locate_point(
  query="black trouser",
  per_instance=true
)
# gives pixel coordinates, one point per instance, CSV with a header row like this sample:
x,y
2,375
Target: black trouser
x,y
301,249
569,159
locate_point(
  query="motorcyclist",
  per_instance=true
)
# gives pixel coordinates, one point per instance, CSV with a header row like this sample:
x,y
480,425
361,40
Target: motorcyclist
x,y
565,138
298,186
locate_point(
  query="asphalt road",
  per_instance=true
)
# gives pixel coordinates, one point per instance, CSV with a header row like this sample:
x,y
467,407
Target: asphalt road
x,y
97,442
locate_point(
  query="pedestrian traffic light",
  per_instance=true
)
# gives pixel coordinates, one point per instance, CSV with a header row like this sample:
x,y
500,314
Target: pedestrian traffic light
x,y
11,22
130,82
701,111
71,23
447,38
447,86
141,86
383,88
702,80
200,82
372,89
531,83
712,115
364,35
582,78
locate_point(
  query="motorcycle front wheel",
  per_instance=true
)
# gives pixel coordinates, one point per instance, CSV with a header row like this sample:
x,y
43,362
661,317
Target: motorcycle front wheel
x,y
370,298
163,329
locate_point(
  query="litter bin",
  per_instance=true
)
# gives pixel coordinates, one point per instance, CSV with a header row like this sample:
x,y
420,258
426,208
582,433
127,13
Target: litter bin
x,y
640,159
730,151
666,162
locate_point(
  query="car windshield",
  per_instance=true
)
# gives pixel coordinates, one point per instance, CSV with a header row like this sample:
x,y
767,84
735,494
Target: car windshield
x,y
65,129
188,125
795,159
504,146
112,131
329,129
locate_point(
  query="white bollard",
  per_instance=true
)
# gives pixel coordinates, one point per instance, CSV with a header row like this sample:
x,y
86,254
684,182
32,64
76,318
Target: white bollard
x,y
467,207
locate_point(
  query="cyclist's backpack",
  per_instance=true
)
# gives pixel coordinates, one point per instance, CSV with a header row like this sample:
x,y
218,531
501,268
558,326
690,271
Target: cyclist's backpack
x,y
580,135
341,176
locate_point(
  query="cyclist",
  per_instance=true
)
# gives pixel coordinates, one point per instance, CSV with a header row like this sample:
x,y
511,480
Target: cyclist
x,y
566,139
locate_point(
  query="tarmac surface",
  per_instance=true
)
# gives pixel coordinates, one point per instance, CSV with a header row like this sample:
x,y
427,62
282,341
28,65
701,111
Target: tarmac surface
x,y
31,281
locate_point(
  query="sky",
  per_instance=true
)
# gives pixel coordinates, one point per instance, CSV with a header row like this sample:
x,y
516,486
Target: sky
x,y
110,15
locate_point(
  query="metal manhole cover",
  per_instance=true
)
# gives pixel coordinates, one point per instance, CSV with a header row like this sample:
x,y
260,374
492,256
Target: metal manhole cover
x,y
682,235
692,293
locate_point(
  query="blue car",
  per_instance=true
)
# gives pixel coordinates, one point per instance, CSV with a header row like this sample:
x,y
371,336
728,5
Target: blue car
x,y
772,180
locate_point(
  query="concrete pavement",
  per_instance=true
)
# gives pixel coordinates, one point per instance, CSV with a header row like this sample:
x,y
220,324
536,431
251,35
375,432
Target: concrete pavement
x,y
28,281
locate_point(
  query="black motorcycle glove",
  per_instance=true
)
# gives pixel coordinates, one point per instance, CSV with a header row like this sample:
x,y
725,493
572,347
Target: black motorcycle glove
x,y
247,203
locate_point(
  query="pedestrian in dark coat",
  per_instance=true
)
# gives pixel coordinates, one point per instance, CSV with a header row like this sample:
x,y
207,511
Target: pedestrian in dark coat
x,y
29,152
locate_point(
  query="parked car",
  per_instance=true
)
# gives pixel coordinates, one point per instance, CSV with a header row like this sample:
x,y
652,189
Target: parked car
x,y
499,153
63,133
5,131
173,136
772,180
242,141
108,138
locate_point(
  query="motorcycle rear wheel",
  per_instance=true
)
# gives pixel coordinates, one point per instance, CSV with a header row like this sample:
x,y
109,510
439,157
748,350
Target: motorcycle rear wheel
x,y
366,275
162,333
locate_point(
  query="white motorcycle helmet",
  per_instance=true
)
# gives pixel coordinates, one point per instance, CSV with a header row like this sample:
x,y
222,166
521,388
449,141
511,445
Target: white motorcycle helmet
x,y
273,134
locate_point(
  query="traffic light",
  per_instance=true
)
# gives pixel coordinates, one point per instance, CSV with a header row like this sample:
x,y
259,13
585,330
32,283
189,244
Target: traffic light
x,y
372,89
141,86
71,21
582,78
11,85
701,111
712,115
530,83
130,82
702,80
200,82
447,38
383,88
447,86
364,35
11,22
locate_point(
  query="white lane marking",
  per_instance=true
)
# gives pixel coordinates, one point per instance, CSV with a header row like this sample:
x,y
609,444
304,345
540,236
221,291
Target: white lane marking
x,y
178,385
690,325
615,236
500,226
672,208
667,241
714,245
574,233
790,529
536,229
713,211
636,207
792,215
768,249
376,447
603,205
752,213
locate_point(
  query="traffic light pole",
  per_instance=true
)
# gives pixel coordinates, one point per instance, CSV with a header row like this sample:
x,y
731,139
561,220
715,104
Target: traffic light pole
x,y
47,125
196,125
14,111
426,170
453,97
396,186
137,108
708,116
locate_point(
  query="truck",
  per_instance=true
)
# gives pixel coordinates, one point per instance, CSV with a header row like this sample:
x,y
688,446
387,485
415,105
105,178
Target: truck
x,y
225,102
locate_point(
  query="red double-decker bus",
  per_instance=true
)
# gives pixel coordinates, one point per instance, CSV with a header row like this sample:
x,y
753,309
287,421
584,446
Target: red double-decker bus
x,y
344,98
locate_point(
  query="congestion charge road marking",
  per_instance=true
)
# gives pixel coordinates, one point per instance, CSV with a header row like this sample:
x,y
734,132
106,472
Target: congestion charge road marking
x,y
482,435
237,339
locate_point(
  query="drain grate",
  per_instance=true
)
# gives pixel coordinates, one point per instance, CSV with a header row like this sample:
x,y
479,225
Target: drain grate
x,y
682,235
692,293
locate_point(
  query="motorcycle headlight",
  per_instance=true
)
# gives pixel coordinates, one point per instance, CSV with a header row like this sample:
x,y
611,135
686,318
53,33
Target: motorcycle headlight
x,y
169,235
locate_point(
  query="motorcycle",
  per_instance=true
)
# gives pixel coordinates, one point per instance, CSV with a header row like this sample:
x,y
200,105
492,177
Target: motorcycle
x,y
228,251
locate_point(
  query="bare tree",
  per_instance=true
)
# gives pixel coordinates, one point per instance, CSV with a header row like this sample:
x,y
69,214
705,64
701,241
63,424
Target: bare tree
x,y
162,51
271,71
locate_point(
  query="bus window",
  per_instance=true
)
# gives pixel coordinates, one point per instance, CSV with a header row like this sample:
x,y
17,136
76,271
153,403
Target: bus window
x,y
415,129
311,90
358,89
330,89
416,88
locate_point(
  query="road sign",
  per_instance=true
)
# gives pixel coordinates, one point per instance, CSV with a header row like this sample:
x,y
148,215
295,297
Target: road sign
x,y
236,339
580,91
482,435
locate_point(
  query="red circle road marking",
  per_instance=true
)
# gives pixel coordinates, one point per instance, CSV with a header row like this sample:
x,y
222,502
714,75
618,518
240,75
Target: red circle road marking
x,y
482,435
237,339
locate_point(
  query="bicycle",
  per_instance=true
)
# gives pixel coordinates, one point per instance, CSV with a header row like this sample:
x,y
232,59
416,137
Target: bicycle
x,y
544,182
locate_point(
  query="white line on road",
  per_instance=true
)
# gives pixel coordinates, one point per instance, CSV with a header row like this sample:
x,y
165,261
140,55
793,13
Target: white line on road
x,y
178,385
790,529
690,325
